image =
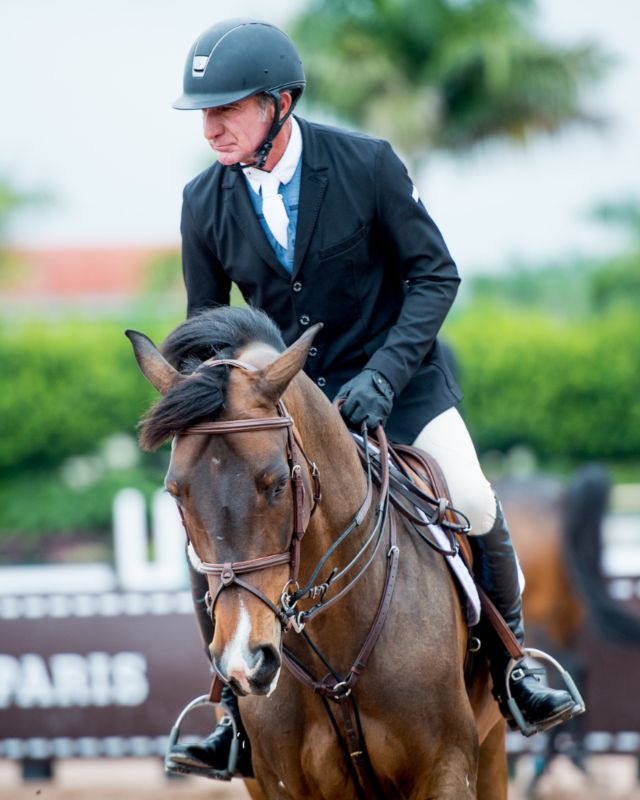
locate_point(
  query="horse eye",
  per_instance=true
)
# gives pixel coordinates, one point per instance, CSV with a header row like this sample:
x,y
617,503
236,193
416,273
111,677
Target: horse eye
x,y
278,488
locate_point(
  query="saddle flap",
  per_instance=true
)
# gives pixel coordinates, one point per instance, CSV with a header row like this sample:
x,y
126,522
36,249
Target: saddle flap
x,y
424,471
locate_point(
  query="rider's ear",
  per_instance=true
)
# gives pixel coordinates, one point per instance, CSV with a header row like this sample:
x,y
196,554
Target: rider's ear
x,y
153,365
275,377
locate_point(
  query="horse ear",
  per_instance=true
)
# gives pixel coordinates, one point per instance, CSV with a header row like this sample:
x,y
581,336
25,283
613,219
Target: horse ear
x,y
275,377
153,365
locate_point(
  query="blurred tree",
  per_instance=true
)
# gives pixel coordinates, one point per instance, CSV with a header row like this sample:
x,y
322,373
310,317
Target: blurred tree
x,y
574,289
442,74
560,289
617,280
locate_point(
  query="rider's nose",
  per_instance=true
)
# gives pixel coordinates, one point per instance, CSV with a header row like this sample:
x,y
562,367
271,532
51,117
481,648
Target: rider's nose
x,y
211,123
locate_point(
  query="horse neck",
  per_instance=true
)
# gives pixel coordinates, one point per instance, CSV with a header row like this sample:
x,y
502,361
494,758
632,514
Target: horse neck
x,y
329,444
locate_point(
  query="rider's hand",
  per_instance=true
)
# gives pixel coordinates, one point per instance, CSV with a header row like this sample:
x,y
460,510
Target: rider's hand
x,y
369,399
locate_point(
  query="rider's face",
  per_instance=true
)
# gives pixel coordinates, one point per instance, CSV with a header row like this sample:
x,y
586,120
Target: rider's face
x,y
236,131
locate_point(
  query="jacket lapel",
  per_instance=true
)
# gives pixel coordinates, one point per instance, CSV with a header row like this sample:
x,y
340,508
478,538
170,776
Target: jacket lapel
x,y
239,204
313,184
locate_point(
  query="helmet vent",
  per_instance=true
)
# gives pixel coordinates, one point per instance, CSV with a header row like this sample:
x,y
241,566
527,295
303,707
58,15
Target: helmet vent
x,y
199,66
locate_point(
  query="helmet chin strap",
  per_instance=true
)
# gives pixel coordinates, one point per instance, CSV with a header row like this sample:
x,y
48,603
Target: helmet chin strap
x,y
262,153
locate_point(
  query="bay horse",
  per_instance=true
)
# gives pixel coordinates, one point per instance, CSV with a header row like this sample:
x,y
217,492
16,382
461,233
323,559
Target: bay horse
x,y
557,532
259,452
558,536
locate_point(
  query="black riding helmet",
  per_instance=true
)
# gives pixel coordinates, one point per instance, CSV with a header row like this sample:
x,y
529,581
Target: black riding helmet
x,y
239,58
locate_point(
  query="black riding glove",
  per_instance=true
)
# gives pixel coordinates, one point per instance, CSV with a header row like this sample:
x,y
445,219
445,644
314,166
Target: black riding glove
x,y
369,399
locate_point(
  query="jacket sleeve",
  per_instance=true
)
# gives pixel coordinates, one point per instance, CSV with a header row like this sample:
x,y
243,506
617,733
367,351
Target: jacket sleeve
x,y
205,280
430,275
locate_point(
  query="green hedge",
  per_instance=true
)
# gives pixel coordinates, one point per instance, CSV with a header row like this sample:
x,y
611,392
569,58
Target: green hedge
x,y
37,503
568,390
65,387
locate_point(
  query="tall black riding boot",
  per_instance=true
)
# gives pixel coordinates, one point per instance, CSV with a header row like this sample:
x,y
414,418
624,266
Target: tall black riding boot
x,y
496,571
211,755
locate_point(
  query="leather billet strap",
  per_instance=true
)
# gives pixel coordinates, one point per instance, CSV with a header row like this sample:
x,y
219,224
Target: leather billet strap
x,y
374,537
512,645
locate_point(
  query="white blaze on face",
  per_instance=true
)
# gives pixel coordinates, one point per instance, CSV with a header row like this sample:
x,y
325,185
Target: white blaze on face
x,y
236,656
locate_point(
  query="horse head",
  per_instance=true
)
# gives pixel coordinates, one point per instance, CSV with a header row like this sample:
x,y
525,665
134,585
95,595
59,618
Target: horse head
x,y
234,490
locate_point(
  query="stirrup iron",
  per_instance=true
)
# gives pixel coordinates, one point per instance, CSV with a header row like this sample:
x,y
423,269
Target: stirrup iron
x,y
528,729
174,768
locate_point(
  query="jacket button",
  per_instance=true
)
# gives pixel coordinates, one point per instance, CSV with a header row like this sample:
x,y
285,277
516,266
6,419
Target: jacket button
x,y
313,351
321,382
304,320
297,286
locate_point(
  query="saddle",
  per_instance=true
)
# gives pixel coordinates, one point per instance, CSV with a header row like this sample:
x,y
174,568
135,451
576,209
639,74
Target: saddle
x,y
418,490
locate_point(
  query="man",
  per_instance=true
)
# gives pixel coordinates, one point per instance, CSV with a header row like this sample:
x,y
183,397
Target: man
x,y
315,224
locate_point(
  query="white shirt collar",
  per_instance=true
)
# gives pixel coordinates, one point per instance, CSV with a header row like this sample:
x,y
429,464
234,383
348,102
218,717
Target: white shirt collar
x,y
285,169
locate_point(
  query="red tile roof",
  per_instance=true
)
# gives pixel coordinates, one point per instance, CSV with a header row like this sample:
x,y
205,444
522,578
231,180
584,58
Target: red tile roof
x,y
72,272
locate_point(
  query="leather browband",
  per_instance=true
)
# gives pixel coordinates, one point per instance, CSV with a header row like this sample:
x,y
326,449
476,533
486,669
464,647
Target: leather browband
x,y
236,425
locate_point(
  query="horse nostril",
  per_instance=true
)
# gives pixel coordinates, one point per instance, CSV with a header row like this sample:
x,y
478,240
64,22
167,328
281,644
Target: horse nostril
x,y
266,663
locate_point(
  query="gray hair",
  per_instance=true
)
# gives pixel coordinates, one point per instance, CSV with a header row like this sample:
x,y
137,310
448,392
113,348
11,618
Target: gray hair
x,y
264,101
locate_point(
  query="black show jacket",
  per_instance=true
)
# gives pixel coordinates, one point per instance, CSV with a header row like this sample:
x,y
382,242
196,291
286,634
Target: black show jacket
x,y
369,263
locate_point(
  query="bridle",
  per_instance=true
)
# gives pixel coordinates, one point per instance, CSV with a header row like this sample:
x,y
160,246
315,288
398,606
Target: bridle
x,y
229,572
334,686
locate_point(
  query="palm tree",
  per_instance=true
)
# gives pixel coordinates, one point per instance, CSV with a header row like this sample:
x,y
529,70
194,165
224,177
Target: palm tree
x,y
442,74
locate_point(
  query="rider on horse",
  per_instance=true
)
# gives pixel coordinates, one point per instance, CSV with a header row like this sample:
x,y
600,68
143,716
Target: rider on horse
x,y
316,224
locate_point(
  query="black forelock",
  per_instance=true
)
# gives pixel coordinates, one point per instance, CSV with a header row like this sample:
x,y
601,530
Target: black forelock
x,y
221,333
213,331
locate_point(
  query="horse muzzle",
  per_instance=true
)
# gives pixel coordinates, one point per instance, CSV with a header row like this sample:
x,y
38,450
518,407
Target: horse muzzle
x,y
253,671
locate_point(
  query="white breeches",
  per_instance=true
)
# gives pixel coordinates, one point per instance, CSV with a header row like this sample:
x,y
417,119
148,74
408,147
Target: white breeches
x,y
447,439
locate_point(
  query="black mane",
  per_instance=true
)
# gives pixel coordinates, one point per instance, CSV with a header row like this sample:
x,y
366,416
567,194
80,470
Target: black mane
x,y
221,332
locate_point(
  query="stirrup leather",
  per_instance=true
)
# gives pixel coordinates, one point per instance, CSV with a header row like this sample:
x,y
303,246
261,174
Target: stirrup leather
x,y
528,729
174,768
